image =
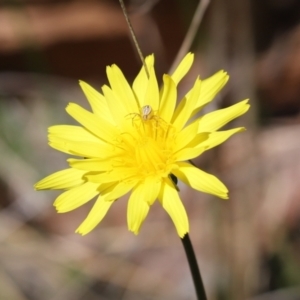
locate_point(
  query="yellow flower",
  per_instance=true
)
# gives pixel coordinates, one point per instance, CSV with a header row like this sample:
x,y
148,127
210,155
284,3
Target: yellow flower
x,y
134,140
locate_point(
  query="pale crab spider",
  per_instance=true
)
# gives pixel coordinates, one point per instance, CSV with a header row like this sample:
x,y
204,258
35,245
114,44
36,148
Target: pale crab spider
x,y
147,112
145,115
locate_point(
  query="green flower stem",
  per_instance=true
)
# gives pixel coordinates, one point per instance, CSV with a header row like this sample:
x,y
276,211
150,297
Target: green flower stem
x,y
189,251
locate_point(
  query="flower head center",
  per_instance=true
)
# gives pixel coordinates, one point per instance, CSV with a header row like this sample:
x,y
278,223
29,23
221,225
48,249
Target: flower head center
x,y
147,144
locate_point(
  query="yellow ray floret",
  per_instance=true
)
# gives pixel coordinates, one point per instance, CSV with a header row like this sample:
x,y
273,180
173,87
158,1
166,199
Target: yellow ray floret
x,y
135,140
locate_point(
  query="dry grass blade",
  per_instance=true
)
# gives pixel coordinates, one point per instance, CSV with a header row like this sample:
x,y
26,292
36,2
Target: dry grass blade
x,y
202,6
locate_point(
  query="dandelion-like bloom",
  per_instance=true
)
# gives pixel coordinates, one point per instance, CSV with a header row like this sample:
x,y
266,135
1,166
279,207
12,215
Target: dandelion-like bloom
x,y
135,140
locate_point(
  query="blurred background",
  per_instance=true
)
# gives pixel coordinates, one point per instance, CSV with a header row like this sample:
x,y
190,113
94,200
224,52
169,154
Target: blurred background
x,y
247,247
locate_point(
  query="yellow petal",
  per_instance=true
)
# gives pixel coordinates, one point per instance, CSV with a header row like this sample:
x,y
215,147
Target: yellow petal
x,y
101,128
73,133
194,147
97,101
118,190
200,180
64,179
95,216
210,88
117,110
188,153
149,189
116,174
217,119
198,140
219,137
185,136
61,146
183,112
168,99
91,164
141,81
171,202
152,92
122,89
76,197
137,210
183,68
84,149
105,177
